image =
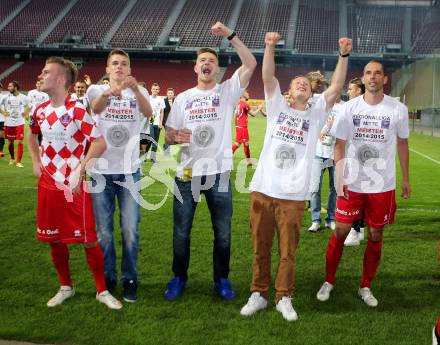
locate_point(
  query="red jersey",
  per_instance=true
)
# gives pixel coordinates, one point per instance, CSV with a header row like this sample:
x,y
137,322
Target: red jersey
x,y
65,130
241,114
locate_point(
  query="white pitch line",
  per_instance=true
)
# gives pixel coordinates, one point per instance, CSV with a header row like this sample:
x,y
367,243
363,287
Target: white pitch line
x,y
425,156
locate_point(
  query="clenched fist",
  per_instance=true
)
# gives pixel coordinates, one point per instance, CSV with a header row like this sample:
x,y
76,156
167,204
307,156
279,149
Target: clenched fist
x,y
272,38
219,29
345,45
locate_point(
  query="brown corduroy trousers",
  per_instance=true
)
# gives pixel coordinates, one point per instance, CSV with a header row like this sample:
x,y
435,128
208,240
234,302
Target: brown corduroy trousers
x,y
268,214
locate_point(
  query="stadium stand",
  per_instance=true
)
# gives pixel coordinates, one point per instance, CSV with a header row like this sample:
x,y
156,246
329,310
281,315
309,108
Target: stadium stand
x,y
90,19
7,7
27,74
143,24
194,23
318,27
180,76
269,15
373,27
31,21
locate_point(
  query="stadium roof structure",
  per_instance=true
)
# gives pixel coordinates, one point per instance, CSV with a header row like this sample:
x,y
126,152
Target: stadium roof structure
x,y
404,3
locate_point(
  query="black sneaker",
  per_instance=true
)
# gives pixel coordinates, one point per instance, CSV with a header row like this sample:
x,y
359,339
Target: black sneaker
x,y
111,284
130,288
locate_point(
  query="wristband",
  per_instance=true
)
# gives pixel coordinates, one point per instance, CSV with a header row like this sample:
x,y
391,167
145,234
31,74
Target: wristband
x,y
344,55
231,36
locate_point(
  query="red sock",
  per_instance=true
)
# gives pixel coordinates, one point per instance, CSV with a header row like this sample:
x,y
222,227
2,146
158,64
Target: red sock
x,y
95,260
234,148
335,249
247,151
11,149
60,259
371,262
437,330
19,152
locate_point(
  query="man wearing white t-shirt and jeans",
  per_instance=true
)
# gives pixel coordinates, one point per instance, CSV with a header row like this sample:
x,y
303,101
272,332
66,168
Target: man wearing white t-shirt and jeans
x,y
201,120
367,135
158,106
324,160
120,107
281,181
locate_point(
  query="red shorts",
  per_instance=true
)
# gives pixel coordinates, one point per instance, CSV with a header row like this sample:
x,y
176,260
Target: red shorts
x,y
241,135
61,220
378,208
14,133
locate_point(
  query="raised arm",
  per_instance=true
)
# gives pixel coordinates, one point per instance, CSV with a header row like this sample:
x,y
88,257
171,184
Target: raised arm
x,y
248,61
340,73
268,70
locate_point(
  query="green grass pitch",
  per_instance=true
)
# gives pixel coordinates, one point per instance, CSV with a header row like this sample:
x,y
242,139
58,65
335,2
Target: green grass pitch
x,y
407,284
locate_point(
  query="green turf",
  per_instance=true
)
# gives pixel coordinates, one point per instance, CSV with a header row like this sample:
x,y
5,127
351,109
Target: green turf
x,y
407,284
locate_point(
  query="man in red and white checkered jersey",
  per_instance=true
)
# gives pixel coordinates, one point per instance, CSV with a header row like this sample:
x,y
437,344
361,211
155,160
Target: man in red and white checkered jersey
x,y
64,213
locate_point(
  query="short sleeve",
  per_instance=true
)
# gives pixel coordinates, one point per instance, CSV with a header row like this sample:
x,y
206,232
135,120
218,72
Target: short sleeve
x,y
93,92
176,116
402,123
274,103
232,87
85,122
33,123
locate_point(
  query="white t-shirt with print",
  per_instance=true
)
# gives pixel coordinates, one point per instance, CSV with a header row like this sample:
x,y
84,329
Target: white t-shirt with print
x,y
36,98
157,104
208,114
371,132
119,124
2,94
285,162
15,106
325,148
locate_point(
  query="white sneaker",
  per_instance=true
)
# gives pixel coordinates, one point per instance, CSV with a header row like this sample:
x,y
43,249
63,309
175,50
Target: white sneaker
x,y
11,162
434,337
19,165
367,297
324,292
361,234
314,227
352,239
107,298
284,306
255,303
330,225
63,293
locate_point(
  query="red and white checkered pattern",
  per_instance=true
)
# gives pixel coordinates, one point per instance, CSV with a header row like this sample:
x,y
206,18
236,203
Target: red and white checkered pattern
x,y
65,130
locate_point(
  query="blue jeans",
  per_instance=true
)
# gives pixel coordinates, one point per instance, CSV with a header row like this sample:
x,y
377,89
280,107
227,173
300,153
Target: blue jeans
x,y
315,186
129,213
219,200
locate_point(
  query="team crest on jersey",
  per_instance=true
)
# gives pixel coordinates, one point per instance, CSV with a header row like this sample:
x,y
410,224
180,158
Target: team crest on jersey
x,y
216,101
65,119
305,125
133,103
188,105
385,124
281,117
356,121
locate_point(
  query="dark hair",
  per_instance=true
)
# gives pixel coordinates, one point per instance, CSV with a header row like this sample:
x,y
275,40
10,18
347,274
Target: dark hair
x,y
155,84
207,50
16,84
358,82
68,66
170,89
375,61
